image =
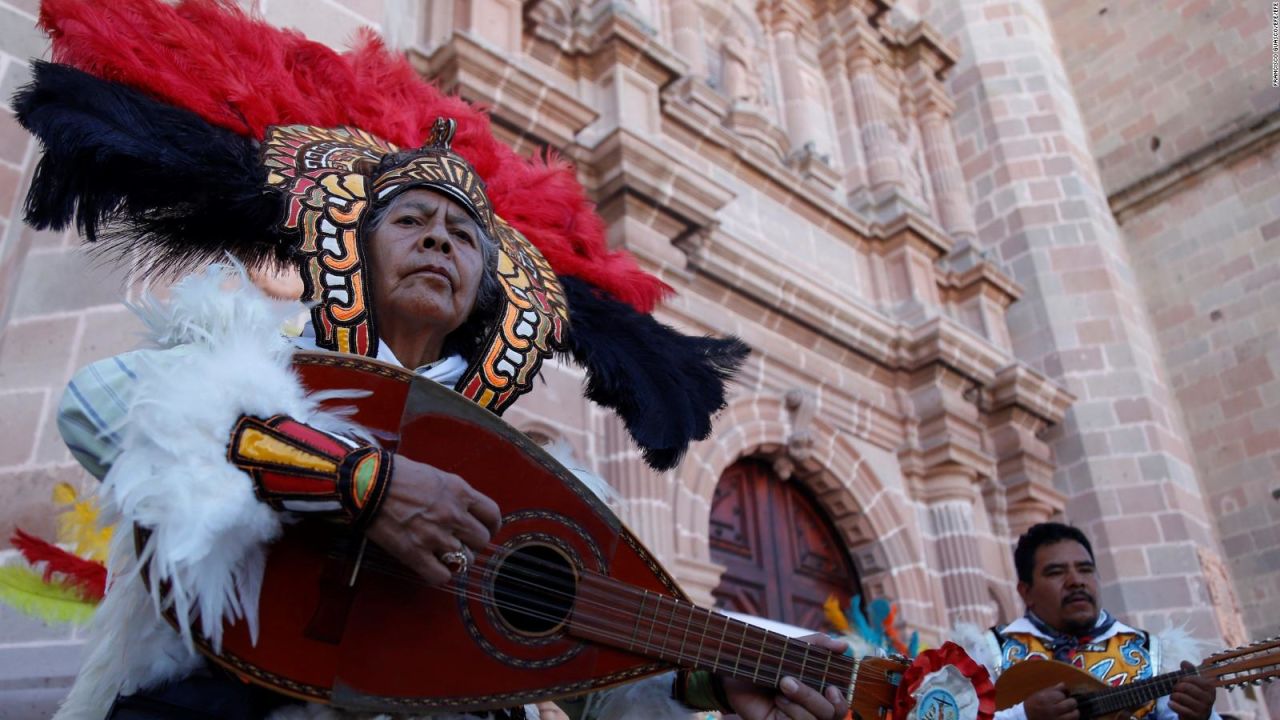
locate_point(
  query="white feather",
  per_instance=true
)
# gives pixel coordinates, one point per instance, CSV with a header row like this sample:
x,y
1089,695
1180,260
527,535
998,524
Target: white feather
x,y
223,356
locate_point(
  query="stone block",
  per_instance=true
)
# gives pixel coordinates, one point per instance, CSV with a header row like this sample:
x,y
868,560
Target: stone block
x,y
19,424
1156,593
110,331
35,353
1167,560
16,74
66,281
19,35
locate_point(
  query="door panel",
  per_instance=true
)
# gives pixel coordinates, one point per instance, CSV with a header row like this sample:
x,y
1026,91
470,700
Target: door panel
x,y
782,554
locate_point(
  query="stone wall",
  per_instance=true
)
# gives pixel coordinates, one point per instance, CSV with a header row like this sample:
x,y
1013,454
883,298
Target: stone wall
x,y
1122,452
903,220
1156,81
1182,118
1210,274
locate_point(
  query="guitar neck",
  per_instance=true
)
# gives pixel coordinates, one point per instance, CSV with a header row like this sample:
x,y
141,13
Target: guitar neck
x,y
683,634
1124,697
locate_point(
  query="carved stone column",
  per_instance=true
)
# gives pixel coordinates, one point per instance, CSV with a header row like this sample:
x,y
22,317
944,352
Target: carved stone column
x,y
949,189
951,496
785,24
879,143
847,135
686,34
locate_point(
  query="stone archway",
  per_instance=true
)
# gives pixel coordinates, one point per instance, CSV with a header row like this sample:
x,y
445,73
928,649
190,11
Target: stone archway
x,y
873,518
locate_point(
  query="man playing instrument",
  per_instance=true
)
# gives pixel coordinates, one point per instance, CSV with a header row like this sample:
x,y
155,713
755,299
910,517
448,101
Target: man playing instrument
x,y
1057,579
210,445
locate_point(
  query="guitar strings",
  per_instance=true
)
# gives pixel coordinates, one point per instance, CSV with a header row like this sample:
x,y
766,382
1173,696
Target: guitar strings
x,y
631,642
622,633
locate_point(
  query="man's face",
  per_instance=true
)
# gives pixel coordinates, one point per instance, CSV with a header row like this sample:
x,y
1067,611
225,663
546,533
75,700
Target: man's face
x,y
425,262
1063,590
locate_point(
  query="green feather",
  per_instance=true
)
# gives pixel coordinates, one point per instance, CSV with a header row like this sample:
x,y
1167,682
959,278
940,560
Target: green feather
x,y
23,589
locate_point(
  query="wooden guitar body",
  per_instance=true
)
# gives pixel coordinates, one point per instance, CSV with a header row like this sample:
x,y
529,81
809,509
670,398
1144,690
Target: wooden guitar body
x,y
1027,678
1254,663
387,643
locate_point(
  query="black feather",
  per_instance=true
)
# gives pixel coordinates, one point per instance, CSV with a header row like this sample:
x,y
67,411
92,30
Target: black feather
x,y
665,385
137,174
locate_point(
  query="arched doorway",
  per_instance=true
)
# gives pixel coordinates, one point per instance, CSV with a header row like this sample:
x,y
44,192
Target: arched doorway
x,y
782,553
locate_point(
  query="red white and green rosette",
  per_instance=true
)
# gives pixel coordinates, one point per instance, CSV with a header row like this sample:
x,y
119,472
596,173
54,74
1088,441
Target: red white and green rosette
x,y
945,684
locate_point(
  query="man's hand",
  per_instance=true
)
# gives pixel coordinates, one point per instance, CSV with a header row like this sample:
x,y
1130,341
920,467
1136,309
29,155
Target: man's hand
x,y
1193,696
795,700
428,512
1051,704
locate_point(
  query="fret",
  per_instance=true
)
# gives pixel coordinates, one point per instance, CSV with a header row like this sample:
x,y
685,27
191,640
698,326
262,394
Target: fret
x,y
738,660
724,630
685,638
635,630
666,636
826,672
804,662
1105,702
702,638
755,676
648,643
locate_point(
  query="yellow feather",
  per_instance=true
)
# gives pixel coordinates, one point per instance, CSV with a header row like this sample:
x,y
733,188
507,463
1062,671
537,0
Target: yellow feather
x,y
835,615
23,589
78,524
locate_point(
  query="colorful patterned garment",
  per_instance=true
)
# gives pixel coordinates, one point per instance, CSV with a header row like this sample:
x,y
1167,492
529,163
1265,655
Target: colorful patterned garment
x,y
1117,656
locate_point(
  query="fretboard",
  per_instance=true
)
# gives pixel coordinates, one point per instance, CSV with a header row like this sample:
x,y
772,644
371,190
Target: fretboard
x,y
1125,697
686,635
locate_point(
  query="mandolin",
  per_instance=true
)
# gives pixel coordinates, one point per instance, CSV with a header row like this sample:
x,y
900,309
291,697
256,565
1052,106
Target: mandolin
x,y
564,601
1230,669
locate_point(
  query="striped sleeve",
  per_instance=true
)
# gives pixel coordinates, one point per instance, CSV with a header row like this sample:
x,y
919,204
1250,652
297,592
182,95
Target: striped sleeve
x,y
93,410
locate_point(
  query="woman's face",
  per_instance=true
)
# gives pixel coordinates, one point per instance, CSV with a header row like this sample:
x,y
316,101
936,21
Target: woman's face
x,y
426,263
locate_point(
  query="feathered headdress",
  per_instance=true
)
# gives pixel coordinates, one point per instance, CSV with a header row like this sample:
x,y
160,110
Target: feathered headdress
x,y
180,133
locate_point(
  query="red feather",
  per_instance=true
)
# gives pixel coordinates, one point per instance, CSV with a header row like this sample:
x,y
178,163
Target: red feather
x,y
86,575
237,72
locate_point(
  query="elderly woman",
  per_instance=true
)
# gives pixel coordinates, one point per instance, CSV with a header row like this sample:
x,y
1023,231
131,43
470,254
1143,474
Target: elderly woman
x,y
210,443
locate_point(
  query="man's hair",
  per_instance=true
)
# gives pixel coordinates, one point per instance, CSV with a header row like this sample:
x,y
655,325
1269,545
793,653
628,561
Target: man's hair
x,y
1036,537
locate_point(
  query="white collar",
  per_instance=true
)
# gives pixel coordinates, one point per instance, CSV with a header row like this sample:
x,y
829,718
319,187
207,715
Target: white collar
x,y
1023,625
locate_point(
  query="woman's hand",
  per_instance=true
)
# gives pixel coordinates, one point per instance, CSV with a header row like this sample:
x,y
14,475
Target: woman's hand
x,y
794,700
428,512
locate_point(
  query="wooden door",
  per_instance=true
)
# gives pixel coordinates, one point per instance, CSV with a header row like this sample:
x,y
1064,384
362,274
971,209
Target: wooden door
x,y
782,552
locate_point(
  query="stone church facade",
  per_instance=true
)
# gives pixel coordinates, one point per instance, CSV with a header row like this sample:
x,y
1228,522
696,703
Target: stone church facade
x,y
999,261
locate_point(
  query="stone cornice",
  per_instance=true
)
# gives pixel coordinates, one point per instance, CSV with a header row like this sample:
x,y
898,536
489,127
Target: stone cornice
x,y
617,38
516,97
983,277
1019,386
1250,137
912,224
943,340
922,44
760,276
625,162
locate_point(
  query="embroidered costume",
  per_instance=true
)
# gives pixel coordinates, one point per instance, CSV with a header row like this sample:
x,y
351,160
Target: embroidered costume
x,y
1113,652
178,135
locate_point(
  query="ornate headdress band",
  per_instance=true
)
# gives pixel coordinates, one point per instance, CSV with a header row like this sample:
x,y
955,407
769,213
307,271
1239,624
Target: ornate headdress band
x,y
197,146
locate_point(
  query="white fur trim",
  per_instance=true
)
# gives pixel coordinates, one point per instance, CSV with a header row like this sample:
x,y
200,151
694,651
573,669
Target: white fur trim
x,y
208,530
979,644
1172,645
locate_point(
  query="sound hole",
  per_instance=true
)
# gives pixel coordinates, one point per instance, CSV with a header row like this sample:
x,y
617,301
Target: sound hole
x,y
533,589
